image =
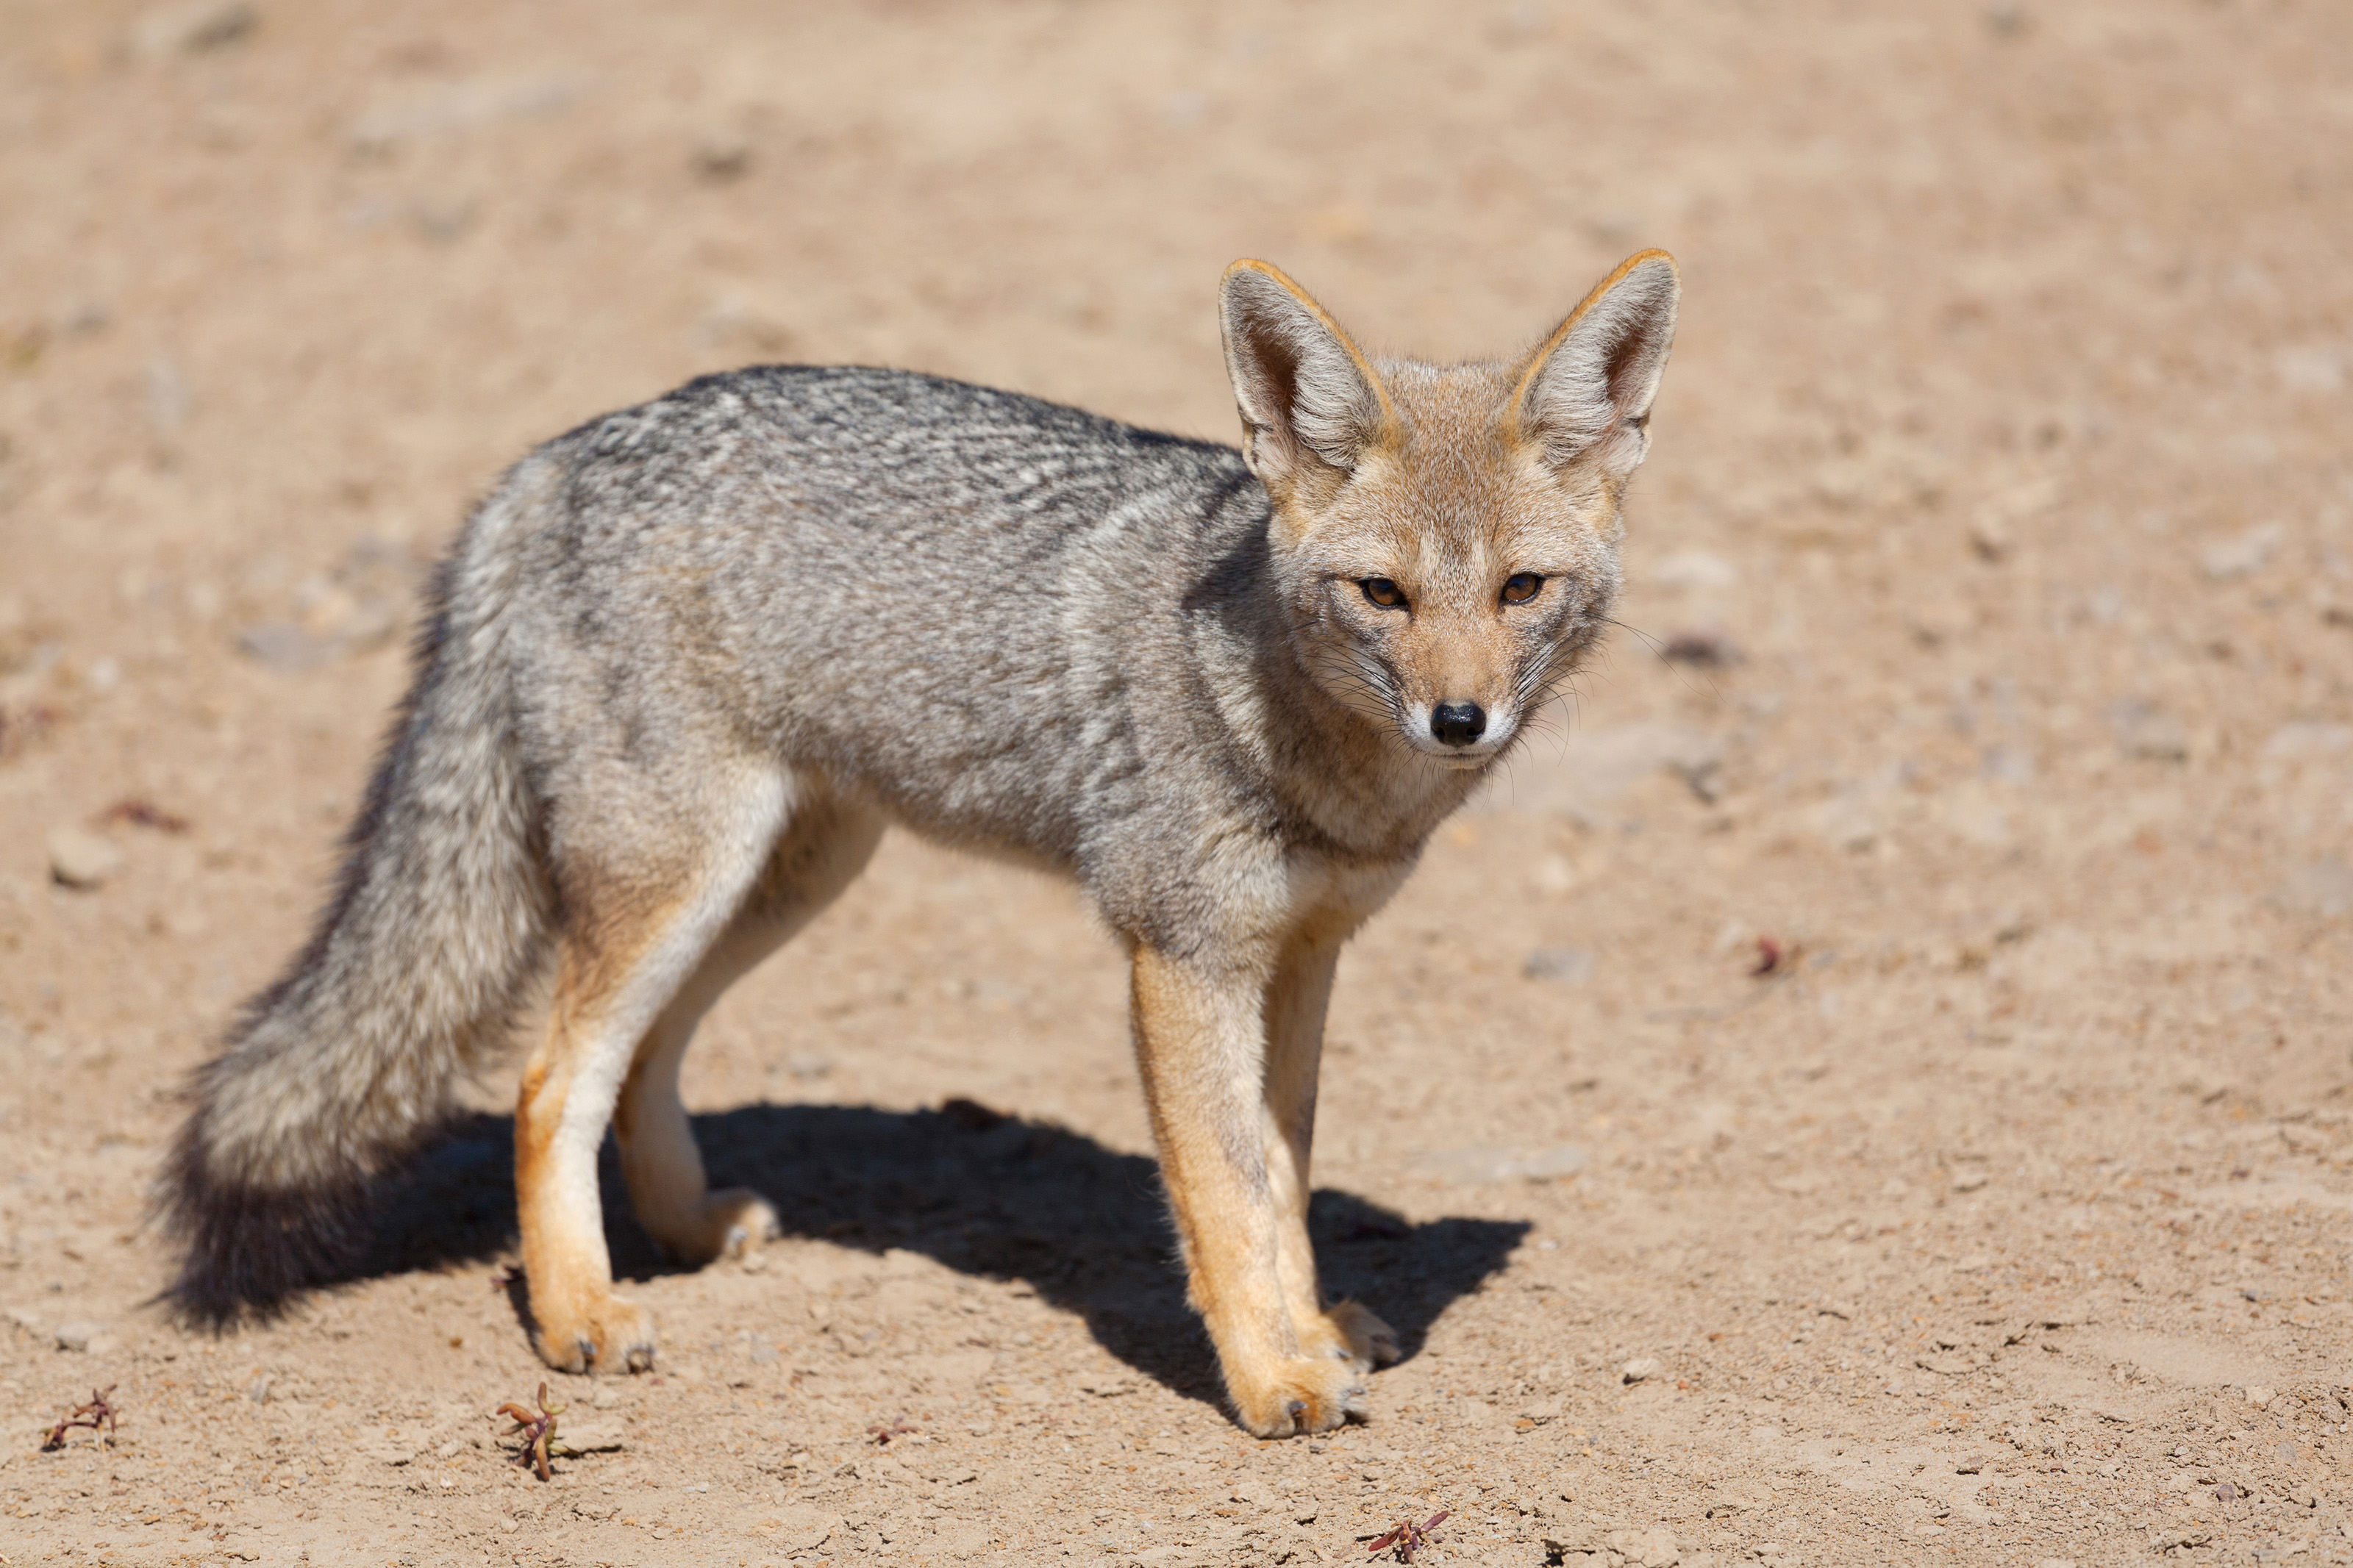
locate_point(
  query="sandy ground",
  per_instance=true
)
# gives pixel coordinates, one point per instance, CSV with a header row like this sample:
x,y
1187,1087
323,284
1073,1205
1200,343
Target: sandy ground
x,y
1997,520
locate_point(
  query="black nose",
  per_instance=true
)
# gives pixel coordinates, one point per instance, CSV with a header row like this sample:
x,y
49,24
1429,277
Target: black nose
x,y
1458,724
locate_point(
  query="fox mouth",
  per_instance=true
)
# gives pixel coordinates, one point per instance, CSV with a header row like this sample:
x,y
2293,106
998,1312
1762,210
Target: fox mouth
x,y
1476,754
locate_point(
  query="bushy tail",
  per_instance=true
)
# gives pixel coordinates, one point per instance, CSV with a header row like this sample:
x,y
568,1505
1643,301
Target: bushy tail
x,y
435,929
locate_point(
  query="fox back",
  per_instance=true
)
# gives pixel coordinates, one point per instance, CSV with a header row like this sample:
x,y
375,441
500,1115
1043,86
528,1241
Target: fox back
x,y
1025,629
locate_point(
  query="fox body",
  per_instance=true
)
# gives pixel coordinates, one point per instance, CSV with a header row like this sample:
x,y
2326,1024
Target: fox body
x,y
686,662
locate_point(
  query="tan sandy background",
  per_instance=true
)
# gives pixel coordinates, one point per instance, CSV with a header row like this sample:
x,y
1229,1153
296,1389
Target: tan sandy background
x,y
1999,524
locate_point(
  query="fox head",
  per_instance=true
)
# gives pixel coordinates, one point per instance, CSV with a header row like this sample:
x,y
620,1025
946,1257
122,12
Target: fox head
x,y
1445,537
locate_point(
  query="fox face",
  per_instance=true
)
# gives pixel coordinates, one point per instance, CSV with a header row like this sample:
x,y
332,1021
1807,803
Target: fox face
x,y
1445,538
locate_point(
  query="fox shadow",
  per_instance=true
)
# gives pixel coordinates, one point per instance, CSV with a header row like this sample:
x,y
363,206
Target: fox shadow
x,y
991,1196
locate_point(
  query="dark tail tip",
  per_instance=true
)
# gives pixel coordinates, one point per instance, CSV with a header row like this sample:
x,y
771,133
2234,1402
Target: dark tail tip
x,y
249,1250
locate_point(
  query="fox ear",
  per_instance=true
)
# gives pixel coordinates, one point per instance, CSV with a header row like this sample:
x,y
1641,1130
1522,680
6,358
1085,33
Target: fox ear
x,y
1309,401
1584,396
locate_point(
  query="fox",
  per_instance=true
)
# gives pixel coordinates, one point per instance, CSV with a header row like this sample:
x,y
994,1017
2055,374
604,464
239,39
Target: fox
x,y
683,666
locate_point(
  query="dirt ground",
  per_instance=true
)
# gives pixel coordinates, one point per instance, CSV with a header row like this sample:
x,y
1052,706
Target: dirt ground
x,y
1989,658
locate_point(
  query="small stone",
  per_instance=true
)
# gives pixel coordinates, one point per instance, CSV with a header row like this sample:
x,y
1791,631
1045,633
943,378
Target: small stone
x,y
1991,537
78,858
589,1437
443,219
80,1337
450,1449
2148,734
2260,1397
723,154
283,645
2243,556
1968,1181
192,28
1569,965
1640,1368
31,1322
1994,528
804,1528
1845,823
258,1391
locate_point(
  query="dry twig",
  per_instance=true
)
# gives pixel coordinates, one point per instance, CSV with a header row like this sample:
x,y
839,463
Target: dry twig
x,y
535,1427
1405,1538
97,1416
138,813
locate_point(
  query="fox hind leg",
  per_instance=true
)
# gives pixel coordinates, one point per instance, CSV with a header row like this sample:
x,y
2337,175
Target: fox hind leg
x,y
824,847
640,914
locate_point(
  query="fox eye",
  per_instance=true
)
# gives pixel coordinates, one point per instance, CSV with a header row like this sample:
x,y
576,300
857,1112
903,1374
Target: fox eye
x,y
1384,592
1522,586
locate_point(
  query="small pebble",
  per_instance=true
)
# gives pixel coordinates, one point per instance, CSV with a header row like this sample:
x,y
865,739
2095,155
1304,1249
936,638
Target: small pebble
x,y
2242,555
283,645
78,1337
191,28
723,154
1569,965
1639,1369
79,858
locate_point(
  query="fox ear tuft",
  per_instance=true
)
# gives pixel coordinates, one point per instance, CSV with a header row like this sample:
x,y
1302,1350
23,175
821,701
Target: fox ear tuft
x,y
1584,394
1309,401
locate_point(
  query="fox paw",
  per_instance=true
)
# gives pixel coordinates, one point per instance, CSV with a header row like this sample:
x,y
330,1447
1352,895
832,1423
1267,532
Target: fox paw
x,y
736,1220
601,1334
1297,1396
1352,1332
727,1224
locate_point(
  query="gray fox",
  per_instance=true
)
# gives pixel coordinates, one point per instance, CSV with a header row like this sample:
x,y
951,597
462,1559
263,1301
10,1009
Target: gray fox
x,y
686,662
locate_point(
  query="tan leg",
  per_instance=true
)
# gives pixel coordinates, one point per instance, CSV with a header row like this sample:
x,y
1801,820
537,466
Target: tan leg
x,y
824,849
635,927
1295,1004
1201,1046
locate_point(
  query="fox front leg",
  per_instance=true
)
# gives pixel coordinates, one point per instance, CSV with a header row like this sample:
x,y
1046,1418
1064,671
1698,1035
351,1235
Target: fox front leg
x,y
1201,1046
1295,1002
